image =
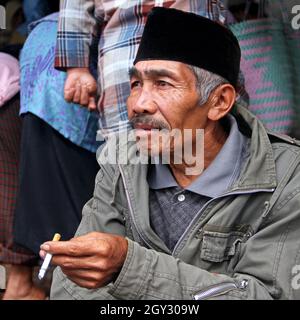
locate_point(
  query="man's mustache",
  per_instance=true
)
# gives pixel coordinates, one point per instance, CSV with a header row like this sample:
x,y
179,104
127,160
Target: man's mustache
x,y
150,121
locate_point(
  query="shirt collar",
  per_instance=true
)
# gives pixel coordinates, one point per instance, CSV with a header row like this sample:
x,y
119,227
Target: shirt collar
x,y
217,177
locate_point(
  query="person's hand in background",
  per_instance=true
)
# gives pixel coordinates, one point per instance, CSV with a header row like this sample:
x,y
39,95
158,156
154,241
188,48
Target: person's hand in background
x,y
81,87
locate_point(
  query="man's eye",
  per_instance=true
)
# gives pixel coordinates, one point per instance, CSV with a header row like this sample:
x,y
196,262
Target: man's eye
x,y
135,84
163,84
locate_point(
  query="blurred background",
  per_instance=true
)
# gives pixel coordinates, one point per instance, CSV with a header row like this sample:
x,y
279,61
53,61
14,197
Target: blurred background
x,y
270,64
19,14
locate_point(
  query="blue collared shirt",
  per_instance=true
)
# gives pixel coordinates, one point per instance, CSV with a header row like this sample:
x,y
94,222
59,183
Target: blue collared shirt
x,y
172,208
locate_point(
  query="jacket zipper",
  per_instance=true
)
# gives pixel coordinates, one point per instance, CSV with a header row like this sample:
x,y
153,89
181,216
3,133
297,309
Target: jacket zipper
x,y
204,207
220,289
131,210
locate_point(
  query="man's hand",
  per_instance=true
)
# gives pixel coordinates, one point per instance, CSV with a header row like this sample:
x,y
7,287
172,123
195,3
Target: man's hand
x,y
81,87
91,261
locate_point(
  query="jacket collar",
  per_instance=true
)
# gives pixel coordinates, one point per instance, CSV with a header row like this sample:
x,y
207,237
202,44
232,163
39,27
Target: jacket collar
x,y
259,170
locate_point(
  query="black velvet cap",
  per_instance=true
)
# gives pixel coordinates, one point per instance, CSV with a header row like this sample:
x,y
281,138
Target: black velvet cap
x,y
175,35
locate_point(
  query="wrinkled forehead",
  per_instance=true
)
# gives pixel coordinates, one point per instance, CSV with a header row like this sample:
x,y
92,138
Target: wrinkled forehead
x,y
160,68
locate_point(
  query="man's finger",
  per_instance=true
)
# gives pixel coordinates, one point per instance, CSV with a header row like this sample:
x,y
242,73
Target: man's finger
x,y
92,104
69,94
77,93
78,263
76,248
83,281
68,248
92,86
42,254
84,98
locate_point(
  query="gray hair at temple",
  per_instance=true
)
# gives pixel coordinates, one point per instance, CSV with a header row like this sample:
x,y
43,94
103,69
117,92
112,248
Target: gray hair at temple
x,y
206,82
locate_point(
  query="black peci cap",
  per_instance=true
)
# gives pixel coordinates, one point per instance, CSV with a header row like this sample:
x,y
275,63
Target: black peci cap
x,y
176,35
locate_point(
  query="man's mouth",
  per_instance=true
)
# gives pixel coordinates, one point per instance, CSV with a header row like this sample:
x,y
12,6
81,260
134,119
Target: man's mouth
x,y
144,126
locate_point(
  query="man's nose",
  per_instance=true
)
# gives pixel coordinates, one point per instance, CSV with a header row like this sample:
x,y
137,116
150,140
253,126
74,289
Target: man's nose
x,y
145,102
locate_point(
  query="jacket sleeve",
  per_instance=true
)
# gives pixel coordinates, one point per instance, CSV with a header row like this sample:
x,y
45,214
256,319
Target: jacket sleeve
x,y
76,26
97,215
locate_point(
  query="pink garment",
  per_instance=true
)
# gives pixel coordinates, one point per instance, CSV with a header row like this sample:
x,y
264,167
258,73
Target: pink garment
x,y
9,77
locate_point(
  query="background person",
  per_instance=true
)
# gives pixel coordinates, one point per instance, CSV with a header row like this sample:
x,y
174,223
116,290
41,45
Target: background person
x,y
57,166
116,28
18,261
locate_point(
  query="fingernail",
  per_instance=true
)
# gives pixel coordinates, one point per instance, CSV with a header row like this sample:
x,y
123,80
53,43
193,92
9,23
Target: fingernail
x,y
45,247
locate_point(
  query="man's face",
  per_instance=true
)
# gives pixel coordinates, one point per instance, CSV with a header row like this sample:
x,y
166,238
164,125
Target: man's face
x,y
164,96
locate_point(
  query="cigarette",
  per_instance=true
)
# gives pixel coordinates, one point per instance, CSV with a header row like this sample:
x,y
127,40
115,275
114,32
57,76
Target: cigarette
x,y
47,260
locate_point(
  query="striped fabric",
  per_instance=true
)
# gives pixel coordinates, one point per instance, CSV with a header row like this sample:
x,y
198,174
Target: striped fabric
x,y
10,132
120,26
271,65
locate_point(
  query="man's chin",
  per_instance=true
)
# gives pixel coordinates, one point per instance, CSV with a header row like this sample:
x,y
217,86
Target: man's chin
x,y
141,133
149,151
152,142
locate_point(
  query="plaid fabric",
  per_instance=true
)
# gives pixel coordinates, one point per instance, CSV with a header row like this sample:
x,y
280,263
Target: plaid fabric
x,y
10,131
119,24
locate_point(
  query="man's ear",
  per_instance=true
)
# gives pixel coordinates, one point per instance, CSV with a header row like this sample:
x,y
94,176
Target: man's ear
x,y
221,101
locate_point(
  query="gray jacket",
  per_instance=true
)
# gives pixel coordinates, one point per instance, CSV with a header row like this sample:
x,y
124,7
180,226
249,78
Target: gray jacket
x,y
244,245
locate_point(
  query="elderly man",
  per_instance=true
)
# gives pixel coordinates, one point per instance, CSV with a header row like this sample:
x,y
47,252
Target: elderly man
x,y
151,231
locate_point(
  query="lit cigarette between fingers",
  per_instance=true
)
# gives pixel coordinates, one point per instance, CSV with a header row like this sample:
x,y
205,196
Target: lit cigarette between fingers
x,y
47,260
